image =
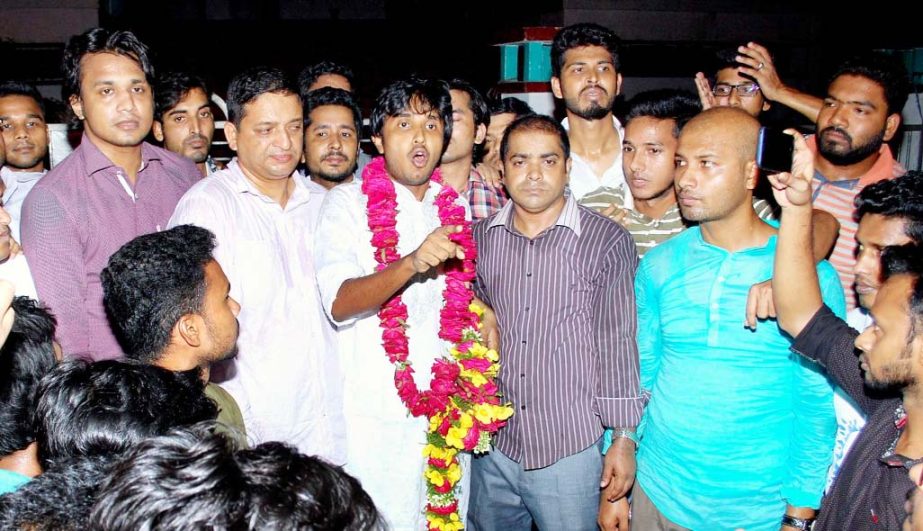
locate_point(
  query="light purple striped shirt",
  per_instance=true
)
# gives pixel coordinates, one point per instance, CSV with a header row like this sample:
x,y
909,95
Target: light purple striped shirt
x,y
77,216
566,308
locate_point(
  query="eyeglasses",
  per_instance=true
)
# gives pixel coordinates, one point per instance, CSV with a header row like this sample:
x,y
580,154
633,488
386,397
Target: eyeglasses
x,y
744,90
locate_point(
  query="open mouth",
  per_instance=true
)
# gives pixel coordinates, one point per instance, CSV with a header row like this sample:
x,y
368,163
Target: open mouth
x,y
419,158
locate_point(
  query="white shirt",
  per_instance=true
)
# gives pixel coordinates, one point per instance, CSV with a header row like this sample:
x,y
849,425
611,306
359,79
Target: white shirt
x,y
384,442
287,379
584,180
16,270
18,185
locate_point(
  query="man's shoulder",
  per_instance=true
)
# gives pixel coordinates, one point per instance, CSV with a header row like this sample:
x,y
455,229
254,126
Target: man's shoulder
x,y
665,253
176,165
596,222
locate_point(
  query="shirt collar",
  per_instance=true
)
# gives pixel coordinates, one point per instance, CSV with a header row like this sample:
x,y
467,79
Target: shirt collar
x,y
96,161
241,184
615,122
881,170
569,217
10,176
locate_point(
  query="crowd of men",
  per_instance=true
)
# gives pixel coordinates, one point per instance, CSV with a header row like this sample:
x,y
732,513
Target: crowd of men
x,y
688,341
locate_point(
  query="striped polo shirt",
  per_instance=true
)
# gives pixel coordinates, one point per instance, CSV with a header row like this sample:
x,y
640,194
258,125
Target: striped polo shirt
x,y
648,232
838,198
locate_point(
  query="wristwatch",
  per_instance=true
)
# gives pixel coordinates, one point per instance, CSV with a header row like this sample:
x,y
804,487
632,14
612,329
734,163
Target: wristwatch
x,y
804,524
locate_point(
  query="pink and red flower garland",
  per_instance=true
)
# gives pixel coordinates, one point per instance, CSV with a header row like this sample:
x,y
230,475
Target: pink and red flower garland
x,y
461,404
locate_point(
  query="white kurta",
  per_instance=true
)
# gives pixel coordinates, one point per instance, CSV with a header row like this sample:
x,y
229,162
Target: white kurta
x,y
286,378
384,443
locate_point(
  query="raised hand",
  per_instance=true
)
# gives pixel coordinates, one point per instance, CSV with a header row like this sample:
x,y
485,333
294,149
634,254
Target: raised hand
x,y
794,188
436,249
705,94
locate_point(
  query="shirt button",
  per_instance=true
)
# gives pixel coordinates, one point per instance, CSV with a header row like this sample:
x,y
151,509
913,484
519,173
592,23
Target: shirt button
x,y
522,375
527,308
523,408
531,242
523,341
529,274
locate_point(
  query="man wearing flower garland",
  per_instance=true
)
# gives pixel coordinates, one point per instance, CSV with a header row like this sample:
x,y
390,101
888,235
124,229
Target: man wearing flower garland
x,y
386,259
560,278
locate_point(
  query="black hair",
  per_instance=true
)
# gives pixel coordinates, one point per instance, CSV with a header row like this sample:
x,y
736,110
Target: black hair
x,y
665,104
535,122
59,499
888,71
151,282
509,105
475,101
106,407
171,88
193,465
290,490
21,88
26,356
271,486
253,83
332,96
418,96
580,35
309,75
906,260
901,197
102,40
727,58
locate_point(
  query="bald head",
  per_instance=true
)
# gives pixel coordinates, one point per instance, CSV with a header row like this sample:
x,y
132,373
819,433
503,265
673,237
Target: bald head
x,y
728,125
716,165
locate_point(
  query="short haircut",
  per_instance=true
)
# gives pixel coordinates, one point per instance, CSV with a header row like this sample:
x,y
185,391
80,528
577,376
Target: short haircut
x,y
59,499
271,486
290,490
580,35
102,40
21,88
888,71
727,58
539,123
193,465
896,198
253,83
151,282
309,75
105,408
475,101
906,260
25,357
664,104
171,88
415,95
509,105
332,96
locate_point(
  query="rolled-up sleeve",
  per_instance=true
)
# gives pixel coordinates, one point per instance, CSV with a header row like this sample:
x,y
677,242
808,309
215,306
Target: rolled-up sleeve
x,y
618,389
53,245
335,253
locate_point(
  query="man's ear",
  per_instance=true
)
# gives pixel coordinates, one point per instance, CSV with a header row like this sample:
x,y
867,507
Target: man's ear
x,y
230,133
378,144
618,84
891,125
77,106
753,173
556,87
480,134
190,330
157,129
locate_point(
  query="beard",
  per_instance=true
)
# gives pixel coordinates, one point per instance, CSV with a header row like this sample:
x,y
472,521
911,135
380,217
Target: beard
x,y
337,177
854,154
596,110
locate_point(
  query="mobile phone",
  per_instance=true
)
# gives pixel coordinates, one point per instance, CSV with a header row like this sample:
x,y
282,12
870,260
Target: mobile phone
x,y
774,150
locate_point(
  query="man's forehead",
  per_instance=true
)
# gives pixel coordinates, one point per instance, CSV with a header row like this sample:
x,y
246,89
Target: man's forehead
x,y
894,296
732,76
856,87
535,142
585,53
327,114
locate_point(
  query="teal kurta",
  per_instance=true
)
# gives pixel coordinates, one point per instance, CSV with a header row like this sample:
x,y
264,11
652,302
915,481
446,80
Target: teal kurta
x,y
737,426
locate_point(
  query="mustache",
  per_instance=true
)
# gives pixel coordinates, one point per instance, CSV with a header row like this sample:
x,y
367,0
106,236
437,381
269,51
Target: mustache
x,y
196,136
834,129
606,92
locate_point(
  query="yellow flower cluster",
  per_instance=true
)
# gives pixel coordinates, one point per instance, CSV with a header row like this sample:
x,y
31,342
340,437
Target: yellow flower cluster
x,y
438,477
444,523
